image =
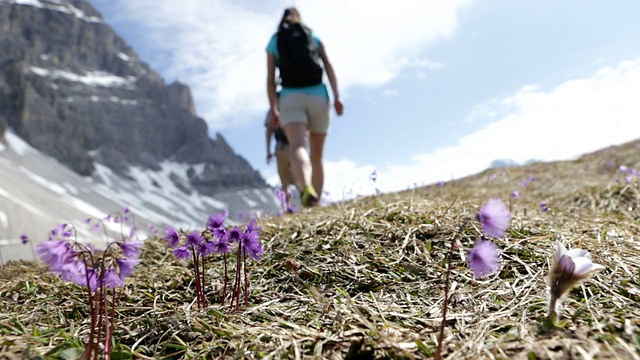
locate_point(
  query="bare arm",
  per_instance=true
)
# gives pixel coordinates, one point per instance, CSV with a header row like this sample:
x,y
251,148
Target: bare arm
x,y
333,80
268,133
271,84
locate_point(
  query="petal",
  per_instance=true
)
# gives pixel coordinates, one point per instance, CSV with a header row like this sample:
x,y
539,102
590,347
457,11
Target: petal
x,y
597,267
583,266
560,250
575,253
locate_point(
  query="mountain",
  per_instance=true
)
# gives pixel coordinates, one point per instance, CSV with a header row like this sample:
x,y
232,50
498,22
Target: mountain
x,y
71,89
502,163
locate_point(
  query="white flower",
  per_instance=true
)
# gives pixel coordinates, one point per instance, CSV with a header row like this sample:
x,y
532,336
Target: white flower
x,y
582,264
568,270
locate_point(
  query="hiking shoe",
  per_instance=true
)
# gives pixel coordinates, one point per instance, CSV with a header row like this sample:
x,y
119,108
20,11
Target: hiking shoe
x,y
309,197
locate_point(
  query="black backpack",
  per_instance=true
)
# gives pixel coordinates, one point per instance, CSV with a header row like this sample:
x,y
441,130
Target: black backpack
x,y
280,136
299,61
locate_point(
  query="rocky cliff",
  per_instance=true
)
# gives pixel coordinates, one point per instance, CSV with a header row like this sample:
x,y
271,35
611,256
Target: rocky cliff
x,y
73,89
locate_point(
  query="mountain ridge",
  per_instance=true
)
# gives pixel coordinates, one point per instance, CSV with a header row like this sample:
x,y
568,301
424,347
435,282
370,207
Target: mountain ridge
x,y
74,89
74,92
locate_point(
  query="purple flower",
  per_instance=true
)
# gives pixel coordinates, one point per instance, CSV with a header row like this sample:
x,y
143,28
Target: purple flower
x,y
215,221
193,239
494,218
282,197
251,244
234,234
374,176
252,227
291,208
528,180
62,232
515,194
249,239
111,280
54,252
83,273
90,273
69,270
220,234
87,220
255,250
544,207
222,247
125,267
205,248
182,252
24,238
483,258
171,237
131,249
126,209
492,177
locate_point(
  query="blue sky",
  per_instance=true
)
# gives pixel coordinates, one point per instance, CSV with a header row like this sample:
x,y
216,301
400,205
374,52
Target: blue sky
x,y
433,90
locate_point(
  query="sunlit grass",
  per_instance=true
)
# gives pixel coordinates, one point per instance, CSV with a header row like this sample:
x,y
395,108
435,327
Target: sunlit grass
x,y
365,279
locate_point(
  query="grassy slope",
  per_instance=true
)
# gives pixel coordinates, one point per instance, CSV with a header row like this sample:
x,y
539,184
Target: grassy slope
x,y
365,279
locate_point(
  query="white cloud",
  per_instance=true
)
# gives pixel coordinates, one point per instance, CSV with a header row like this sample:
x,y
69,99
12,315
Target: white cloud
x,y
217,47
576,117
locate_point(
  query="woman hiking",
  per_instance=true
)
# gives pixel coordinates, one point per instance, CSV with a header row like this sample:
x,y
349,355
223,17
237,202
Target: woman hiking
x,y
303,107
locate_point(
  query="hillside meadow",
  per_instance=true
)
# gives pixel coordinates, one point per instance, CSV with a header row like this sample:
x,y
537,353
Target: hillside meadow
x,y
364,279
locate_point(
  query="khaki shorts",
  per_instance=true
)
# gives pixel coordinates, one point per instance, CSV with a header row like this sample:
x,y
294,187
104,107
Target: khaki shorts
x,y
309,109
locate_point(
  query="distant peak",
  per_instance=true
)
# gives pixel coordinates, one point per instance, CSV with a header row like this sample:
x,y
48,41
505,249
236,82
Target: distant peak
x,y
57,5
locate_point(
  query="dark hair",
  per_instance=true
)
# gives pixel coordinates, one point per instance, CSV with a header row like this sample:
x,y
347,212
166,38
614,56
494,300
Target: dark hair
x,y
289,11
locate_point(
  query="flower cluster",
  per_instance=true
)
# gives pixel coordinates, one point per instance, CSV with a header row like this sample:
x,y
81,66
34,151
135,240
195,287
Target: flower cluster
x,y
99,271
629,173
286,205
85,266
218,239
528,181
544,207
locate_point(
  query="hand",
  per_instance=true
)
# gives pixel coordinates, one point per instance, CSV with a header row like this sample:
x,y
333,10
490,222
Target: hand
x,y
269,157
275,117
337,104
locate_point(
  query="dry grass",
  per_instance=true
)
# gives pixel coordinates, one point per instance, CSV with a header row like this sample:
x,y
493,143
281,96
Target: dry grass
x,y
364,279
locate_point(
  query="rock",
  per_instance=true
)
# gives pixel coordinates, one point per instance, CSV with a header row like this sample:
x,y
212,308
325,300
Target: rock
x,y
73,89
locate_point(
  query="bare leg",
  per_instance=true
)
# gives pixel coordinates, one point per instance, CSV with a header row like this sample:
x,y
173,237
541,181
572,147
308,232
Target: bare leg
x,y
298,156
316,148
284,171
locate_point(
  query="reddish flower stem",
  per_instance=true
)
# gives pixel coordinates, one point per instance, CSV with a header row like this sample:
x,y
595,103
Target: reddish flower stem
x,y
196,276
226,279
246,282
203,284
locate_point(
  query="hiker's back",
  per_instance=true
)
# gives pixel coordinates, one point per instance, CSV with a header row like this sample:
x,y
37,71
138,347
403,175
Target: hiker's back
x,y
299,60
